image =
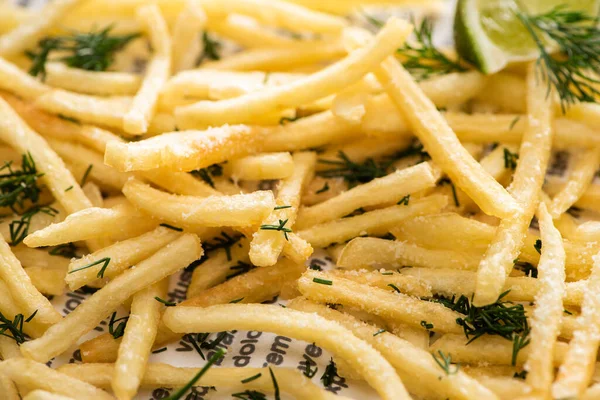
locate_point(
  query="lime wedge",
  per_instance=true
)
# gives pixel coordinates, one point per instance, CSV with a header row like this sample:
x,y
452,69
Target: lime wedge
x,y
488,33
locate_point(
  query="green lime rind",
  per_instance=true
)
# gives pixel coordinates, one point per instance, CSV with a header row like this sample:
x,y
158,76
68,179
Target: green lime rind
x,y
472,42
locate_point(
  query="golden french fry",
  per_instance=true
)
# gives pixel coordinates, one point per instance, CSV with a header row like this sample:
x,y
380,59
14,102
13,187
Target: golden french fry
x,y
261,167
580,179
10,308
267,245
43,395
388,280
49,281
525,187
419,371
374,223
175,256
304,326
122,255
236,210
506,91
374,253
318,85
18,82
39,376
575,372
105,83
138,339
183,151
388,189
142,108
93,223
164,375
186,46
8,388
409,310
548,309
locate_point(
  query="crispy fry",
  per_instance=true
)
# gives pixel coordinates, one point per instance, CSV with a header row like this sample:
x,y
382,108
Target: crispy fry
x,y
186,46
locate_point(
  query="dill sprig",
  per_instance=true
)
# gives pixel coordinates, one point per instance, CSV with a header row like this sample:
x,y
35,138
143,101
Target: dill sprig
x,y
67,250
330,373
14,328
445,363
211,48
17,186
239,269
104,261
352,172
206,174
510,159
181,392
165,302
19,228
422,59
251,378
538,246
527,268
92,51
501,318
573,72
119,330
280,227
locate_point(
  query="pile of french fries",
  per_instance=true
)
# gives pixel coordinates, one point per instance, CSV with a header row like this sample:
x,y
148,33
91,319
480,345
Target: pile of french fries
x,y
126,160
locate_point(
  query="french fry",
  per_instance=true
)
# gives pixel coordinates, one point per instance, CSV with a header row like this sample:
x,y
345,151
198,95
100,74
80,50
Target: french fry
x,y
261,166
318,85
589,200
100,83
374,253
49,281
8,388
38,221
26,35
449,282
138,339
525,187
388,189
175,256
267,245
9,308
488,349
385,280
330,335
236,210
9,348
142,108
43,395
179,183
164,375
580,178
217,268
186,46
279,58
18,82
373,223
122,255
101,349
548,310
416,367
93,223
183,151
397,306
26,296
39,376
575,372
506,91
18,135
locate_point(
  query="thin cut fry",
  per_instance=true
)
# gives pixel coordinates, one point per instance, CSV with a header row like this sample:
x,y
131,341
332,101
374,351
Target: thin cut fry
x,y
388,280
101,83
43,395
26,35
183,151
579,180
236,210
8,389
303,326
397,306
261,167
188,26
267,245
173,257
318,85
93,223
575,373
389,189
122,255
49,281
525,187
141,111
418,370
441,142
373,223
138,339
18,82
24,293
548,309
374,253
164,375
39,376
